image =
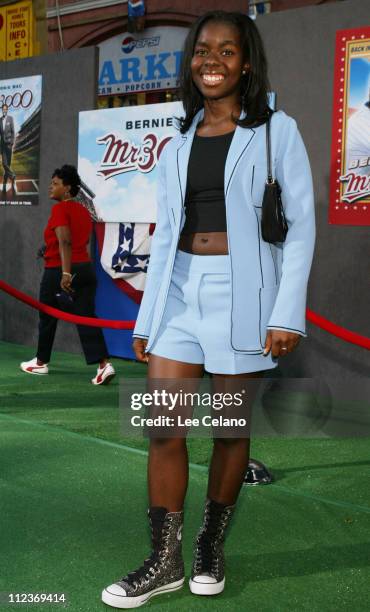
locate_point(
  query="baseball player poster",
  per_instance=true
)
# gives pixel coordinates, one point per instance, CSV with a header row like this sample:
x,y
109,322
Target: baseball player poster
x,y
20,126
350,168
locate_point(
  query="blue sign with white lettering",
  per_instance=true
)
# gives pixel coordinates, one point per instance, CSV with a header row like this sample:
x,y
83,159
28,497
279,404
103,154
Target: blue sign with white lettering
x,y
145,61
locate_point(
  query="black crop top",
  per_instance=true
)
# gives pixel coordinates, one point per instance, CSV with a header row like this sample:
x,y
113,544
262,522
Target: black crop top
x,y
205,196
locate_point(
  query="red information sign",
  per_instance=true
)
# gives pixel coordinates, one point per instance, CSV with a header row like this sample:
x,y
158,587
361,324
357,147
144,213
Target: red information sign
x,y
350,158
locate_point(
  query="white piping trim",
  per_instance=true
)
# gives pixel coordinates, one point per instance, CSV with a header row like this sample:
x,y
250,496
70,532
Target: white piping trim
x,y
84,5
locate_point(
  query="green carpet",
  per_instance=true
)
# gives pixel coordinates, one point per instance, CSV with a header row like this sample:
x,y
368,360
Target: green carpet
x,y
73,504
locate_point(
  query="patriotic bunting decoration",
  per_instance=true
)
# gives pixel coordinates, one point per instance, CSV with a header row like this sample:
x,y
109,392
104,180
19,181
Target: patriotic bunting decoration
x,y
124,254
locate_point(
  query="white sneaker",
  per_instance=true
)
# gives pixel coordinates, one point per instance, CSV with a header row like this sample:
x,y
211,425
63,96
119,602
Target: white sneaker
x,y
31,367
104,375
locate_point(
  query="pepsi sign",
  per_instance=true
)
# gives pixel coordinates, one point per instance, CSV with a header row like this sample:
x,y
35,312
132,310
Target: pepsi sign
x,y
145,61
128,44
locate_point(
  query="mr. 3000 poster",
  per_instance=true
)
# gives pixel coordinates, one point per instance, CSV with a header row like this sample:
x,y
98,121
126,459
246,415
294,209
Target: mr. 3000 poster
x,y
20,124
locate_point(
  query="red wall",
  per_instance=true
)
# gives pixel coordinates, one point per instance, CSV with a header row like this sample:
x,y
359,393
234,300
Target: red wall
x,y
93,26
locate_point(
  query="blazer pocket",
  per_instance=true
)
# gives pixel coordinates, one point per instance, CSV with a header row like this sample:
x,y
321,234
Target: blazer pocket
x,y
267,301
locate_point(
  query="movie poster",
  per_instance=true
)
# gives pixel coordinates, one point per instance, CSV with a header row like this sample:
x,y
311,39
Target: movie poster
x,y
20,125
118,151
350,167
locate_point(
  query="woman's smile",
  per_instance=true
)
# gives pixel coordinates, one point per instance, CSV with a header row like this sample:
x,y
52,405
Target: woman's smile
x,y
218,62
212,79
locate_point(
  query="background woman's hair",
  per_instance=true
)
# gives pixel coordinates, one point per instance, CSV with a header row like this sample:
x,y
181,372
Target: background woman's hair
x,y
69,176
254,85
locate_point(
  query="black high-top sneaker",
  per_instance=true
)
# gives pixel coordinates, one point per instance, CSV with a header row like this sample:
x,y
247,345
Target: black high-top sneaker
x,y
208,572
162,572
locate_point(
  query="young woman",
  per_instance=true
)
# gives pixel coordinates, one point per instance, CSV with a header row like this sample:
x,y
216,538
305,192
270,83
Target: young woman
x,y
218,298
68,269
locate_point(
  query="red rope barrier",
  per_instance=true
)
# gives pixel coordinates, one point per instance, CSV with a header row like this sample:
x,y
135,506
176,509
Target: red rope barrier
x,y
313,317
65,316
337,330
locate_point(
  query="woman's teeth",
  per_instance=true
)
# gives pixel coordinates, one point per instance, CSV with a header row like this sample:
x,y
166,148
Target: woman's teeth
x,y
212,78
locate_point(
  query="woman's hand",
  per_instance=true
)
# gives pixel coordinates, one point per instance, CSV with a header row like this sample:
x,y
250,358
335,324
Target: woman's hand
x,y
138,346
280,342
66,282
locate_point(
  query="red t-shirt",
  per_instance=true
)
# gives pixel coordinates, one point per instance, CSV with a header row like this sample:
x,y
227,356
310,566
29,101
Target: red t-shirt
x,y
78,219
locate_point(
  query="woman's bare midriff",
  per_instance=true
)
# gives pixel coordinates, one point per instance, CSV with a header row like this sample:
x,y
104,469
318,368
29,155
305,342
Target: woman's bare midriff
x,y
208,243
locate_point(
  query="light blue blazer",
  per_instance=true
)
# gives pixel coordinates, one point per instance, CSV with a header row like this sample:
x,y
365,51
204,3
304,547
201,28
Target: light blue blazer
x,y
269,282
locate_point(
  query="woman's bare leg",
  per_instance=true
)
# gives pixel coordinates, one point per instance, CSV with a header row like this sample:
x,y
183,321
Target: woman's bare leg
x,y
168,457
230,456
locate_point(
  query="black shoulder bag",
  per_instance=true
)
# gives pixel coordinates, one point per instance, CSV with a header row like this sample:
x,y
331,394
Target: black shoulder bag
x,y
273,223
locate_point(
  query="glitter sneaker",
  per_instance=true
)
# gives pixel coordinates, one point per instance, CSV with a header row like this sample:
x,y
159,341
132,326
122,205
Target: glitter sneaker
x,y
162,572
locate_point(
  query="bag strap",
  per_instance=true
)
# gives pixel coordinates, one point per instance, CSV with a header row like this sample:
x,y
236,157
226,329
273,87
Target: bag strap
x,y
270,178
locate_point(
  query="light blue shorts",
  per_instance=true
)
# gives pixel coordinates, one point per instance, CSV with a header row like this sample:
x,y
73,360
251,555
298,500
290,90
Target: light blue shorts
x,y
195,326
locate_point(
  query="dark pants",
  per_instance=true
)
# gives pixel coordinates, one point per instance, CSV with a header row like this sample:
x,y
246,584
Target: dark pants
x,y
6,158
84,284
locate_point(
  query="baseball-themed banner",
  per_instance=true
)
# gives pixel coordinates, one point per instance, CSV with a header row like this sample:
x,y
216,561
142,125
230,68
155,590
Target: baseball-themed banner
x,y
350,168
16,30
141,61
20,126
118,151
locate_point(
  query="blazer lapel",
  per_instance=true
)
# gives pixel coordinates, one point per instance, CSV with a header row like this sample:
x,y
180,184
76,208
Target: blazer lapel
x,y
183,153
241,140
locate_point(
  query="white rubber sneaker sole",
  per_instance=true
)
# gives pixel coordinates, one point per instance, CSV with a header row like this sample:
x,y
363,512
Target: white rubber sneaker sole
x,y
206,588
121,601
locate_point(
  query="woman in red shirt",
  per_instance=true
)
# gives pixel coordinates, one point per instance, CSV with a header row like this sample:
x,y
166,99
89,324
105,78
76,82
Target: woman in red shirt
x,y
69,273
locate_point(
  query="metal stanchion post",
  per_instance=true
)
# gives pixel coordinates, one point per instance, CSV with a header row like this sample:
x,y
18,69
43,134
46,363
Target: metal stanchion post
x,y
257,473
